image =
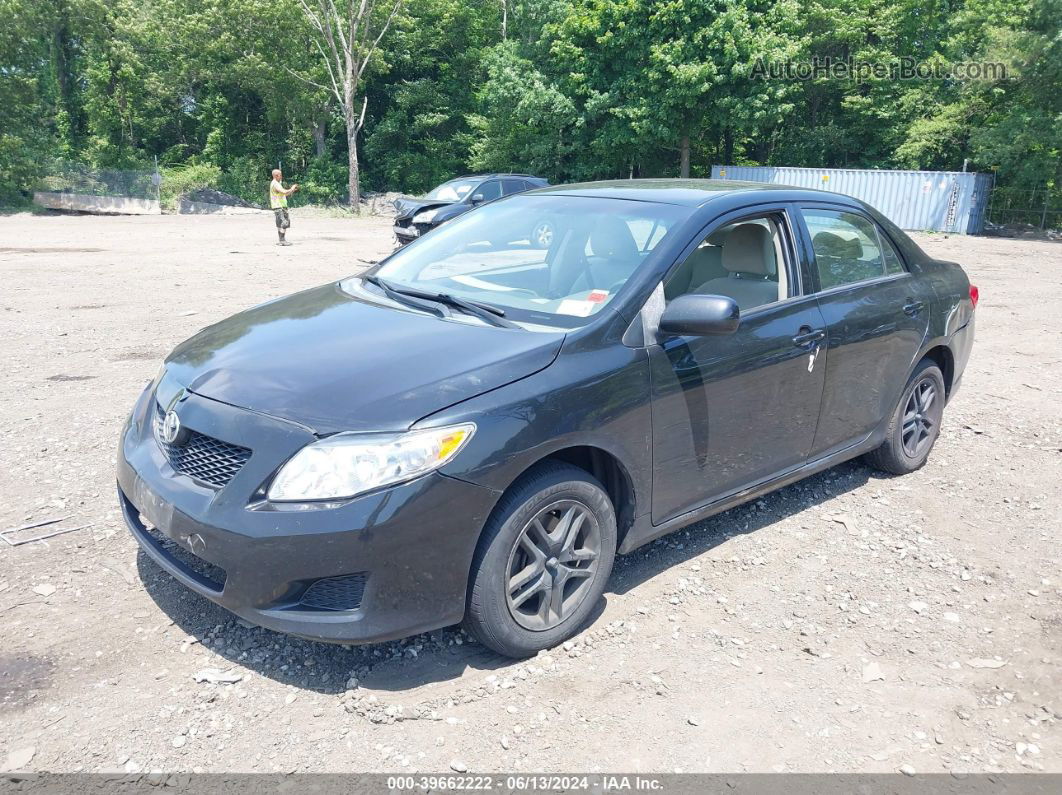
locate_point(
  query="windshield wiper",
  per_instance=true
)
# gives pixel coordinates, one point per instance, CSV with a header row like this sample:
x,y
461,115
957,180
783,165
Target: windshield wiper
x,y
402,297
492,314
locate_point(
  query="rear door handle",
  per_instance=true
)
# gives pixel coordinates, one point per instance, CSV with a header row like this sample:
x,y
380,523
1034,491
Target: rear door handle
x,y
913,307
808,336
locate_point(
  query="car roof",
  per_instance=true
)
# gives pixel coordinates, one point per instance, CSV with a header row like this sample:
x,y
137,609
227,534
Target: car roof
x,y
685,192
498,174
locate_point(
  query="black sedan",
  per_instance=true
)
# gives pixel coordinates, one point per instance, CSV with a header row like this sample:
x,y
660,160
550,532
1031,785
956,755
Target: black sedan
x,y
415,217
471,431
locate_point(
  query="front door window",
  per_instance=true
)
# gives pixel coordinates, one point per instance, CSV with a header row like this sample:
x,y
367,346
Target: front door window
x,y
488,191
742,260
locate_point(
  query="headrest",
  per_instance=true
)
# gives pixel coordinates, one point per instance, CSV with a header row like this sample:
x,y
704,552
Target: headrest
x,y
749,249
611,238
827,244
718,237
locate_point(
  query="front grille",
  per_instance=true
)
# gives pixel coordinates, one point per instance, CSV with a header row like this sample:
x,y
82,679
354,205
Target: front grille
x,y
201,457
206,573
336,593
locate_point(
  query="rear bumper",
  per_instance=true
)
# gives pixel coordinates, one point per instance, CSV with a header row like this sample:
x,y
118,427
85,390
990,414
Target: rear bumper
x,y
410,546
961,347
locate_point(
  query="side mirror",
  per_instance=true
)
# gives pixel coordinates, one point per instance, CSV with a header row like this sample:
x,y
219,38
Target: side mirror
x,y
477,198
699,315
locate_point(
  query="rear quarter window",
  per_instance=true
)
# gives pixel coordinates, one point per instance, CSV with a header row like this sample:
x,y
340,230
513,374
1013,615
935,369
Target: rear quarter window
x,y
893,263
909,251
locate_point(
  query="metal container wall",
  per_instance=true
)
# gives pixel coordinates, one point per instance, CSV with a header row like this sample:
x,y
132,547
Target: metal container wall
x,y
942,201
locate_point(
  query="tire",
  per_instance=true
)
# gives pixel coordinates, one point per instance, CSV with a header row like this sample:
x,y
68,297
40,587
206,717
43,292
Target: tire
x,y
896,457
515,547
542,235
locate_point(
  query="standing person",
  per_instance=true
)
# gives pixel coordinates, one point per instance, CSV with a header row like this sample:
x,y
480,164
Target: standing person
x,y
278,200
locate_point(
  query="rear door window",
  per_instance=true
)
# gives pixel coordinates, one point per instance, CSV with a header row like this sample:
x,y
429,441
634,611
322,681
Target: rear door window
x,y
511,186
847,247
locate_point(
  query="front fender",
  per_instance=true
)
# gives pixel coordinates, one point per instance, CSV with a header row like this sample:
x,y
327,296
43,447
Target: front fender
x,y
593,395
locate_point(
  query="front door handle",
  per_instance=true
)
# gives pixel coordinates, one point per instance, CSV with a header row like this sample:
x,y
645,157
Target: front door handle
x,y
913,307
808,336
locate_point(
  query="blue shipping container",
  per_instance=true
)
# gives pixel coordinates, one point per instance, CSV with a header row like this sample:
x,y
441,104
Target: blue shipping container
x,y
941,201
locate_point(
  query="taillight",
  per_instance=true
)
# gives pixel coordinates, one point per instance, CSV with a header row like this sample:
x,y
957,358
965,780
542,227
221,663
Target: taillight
x,y
974,294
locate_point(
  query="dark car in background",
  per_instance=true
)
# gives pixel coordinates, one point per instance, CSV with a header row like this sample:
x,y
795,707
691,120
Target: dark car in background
x,y
472,430
415,217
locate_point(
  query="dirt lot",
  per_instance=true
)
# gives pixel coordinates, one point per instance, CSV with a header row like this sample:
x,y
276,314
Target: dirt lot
x,y
848,623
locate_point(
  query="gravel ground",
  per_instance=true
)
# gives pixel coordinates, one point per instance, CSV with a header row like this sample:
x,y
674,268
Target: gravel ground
x,y
847,623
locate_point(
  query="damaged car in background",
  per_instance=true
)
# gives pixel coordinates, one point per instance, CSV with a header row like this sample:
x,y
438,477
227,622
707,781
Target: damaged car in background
x,y
416,217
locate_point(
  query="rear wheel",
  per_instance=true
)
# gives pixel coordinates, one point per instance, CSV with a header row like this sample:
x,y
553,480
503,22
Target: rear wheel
x,y
915,423
543,562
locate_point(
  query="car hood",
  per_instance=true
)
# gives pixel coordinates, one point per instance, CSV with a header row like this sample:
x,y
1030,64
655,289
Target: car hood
x,y
407,207
333,362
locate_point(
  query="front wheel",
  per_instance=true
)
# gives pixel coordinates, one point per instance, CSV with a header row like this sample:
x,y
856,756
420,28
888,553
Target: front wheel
x,y
915,424
543,562
542,235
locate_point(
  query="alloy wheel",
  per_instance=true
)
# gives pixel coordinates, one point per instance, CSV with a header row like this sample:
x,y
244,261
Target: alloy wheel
x,y
920,418
552,565
543,235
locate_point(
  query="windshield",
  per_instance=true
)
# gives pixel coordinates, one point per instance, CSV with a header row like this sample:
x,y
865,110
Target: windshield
x,y
554,260
454,190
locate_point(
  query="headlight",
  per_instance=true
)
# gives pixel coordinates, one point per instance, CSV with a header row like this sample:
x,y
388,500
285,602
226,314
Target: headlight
x,y
426,216
348,464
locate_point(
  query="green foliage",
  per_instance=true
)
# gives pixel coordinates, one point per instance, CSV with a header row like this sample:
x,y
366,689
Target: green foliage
x,y
525,120
248,177
1018,127
435,62
182,179
23,96
325,182
221,91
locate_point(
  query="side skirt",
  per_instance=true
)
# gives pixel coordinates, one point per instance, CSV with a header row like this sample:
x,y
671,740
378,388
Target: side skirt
x,y
645,531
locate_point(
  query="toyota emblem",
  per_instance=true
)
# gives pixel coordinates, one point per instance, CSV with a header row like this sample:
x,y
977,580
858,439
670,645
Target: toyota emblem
x,y
171,427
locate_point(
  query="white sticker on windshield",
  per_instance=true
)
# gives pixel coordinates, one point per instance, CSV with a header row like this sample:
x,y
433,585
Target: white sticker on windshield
x,y
576,308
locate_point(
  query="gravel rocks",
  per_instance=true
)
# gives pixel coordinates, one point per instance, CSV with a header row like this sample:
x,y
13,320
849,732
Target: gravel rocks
x,y
781,635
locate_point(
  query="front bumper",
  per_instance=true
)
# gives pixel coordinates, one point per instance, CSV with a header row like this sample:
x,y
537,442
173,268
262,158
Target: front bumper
x,y
406,234
411,545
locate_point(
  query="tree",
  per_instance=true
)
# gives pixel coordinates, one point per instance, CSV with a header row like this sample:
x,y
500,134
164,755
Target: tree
x,y
664,76
570,89
526,122
22,140
1020,131
347,36
419,134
